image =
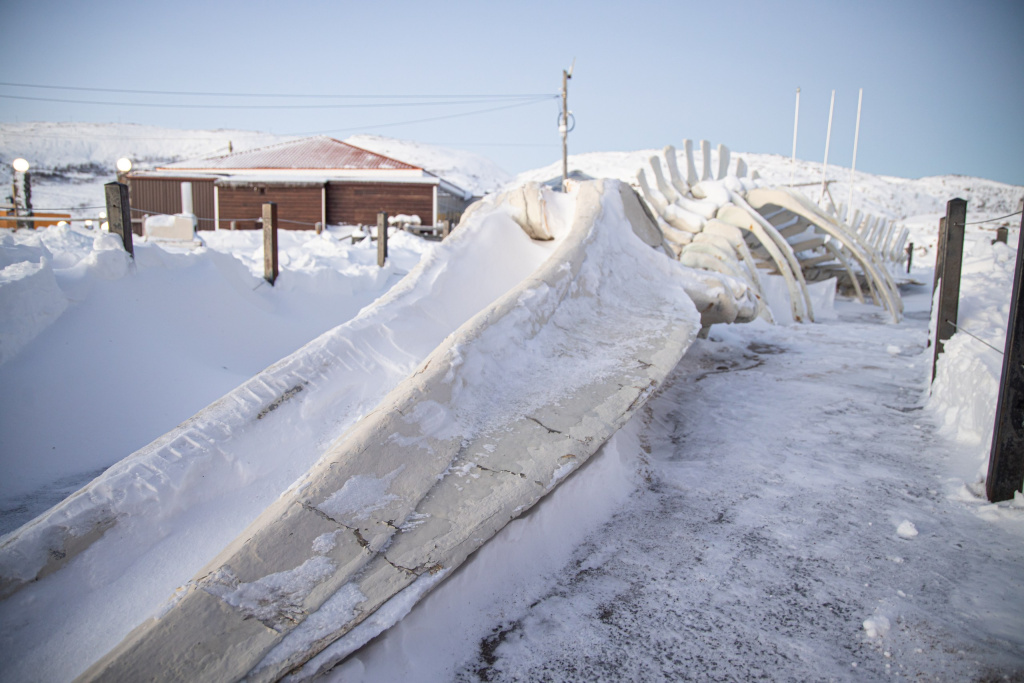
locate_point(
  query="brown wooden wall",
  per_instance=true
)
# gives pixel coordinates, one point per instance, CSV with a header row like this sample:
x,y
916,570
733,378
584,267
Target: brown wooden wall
x,y
358,203
245,205
163,195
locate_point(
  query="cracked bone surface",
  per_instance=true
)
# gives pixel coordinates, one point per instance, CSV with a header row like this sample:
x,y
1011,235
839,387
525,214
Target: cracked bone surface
x,y
495,417
781,232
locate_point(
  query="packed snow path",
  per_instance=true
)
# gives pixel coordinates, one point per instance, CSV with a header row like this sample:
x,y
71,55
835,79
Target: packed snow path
x,y
778,466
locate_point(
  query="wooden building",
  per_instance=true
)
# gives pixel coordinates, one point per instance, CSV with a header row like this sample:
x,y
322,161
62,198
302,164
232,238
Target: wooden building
x,y
313,180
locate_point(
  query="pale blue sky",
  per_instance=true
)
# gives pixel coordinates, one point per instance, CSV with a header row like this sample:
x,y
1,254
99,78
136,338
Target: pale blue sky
x,y
943,86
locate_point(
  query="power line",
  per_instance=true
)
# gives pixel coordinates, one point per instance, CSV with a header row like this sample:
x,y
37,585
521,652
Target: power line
x,y
494,144
295,95
434,118
179,105
86,136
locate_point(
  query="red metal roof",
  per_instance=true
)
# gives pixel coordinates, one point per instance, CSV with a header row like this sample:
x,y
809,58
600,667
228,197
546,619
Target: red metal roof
x,y
319,153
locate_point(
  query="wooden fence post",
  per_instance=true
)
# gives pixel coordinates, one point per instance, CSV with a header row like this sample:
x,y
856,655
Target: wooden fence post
x,y
1006,460
1002,235
270,242
119,214
910,256
382,238
949,279
940,253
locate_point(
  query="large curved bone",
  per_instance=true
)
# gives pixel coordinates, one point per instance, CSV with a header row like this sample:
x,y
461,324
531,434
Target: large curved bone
x,y
783,247
705,153
877,277
659,178
734,215
838,255
691,168
735,238
672,161
723,161
898,254
674,215
709,257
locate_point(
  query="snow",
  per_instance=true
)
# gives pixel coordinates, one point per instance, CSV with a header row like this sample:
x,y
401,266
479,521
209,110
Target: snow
x,y
124,331
471,172
361,495
757,535
71,161
275,599
906,529
794,503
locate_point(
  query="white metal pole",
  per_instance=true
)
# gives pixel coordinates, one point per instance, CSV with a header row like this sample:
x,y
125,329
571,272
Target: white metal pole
x,y
796,125
563,129
856,139
186,198
828,139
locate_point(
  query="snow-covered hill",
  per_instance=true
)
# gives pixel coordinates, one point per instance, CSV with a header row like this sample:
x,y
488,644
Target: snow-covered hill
x,y
94,148
71,161
470,171
887,196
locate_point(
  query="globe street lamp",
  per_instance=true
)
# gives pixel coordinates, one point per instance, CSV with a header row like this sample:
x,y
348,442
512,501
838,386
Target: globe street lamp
x,y
21,192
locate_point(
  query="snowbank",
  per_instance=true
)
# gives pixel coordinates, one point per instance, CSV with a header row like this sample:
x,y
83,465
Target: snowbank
x,y
111,355
963,396
175,503
497,415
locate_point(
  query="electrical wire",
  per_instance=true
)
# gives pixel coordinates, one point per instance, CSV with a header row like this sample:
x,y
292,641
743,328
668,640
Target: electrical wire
x,y
494,144
427,120
284,95
182,105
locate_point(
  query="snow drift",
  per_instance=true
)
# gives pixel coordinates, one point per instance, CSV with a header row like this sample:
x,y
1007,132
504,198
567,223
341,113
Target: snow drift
x,y
496,416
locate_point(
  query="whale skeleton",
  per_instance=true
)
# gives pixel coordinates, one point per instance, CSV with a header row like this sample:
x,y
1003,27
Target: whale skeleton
x,y
774,229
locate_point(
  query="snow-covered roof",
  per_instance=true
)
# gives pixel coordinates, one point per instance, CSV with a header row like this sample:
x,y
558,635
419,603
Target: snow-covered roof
x,y
319,153
317,158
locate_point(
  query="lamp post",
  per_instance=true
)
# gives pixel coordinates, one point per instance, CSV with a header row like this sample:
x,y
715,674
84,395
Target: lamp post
x,y
21,192
124,164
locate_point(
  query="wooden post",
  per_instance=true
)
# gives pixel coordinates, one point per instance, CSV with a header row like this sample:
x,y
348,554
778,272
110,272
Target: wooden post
x,y
319,227
446,229
270,242
23,191
940,253
910,256
1006,461
119,214
949,278
1002,235
382,238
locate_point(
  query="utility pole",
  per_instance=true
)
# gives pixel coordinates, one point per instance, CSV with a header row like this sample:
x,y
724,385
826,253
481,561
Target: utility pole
x,y
563,124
